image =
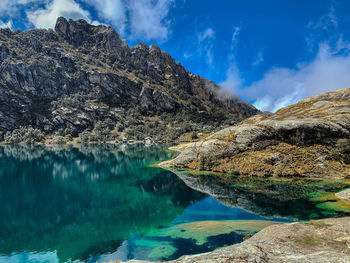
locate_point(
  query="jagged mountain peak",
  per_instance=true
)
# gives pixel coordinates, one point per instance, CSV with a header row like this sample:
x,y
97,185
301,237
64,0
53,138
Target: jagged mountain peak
x,y
40,70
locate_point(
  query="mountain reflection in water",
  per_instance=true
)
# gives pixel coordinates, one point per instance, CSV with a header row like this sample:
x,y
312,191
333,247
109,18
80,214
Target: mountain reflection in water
x,y
105,202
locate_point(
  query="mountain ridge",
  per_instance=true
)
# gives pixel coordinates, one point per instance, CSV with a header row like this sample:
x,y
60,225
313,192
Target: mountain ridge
x,y
80,74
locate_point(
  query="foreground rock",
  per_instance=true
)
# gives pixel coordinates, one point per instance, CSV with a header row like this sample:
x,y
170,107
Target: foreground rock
x,y
64,81
321,241
344,195
310,138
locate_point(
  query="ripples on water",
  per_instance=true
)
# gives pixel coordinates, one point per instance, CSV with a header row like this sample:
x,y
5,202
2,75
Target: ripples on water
x,y
102,203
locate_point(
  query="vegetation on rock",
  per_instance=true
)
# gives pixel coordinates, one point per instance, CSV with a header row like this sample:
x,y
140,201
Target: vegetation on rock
x,y
309,139
68,81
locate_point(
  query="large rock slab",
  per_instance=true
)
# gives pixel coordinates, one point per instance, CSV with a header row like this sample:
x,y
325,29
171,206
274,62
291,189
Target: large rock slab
x,y
310,138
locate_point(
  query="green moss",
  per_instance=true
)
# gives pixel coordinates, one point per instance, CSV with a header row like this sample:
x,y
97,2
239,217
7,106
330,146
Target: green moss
x,y
338,206
317,223
242,185
308,241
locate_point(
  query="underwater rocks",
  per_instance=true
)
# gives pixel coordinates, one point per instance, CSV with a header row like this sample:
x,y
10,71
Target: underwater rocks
x,y
319,241
309,139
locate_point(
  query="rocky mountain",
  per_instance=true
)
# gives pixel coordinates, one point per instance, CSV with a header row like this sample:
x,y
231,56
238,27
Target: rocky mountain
x,y
81,77
310,139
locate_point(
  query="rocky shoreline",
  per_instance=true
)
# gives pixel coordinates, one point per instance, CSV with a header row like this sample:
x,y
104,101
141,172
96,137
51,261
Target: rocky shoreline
x,y
344,196
308,139
319,241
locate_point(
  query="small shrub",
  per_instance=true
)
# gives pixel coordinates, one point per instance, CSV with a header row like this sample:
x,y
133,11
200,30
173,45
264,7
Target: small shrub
x,y
69,137
27,135
194,135
206,162
341,151
119,127
85,136
232,170
58,139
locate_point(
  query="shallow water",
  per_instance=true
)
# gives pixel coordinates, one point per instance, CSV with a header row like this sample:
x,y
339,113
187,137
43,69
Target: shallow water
x,y
103,203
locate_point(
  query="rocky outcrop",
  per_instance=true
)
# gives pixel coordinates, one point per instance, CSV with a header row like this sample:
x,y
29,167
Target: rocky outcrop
x,y
319,241
310,138
78,74
344,195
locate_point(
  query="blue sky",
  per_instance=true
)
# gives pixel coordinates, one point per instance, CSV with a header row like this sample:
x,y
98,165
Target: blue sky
x,y
271,53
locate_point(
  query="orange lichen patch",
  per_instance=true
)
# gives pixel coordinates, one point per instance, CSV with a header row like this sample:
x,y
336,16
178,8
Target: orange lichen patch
x,y
231,137
310,109
180,147
193,164
187,137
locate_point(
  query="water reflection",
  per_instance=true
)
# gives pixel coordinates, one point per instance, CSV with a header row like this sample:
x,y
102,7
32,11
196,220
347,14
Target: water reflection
x,y
105,202
86,200
290,198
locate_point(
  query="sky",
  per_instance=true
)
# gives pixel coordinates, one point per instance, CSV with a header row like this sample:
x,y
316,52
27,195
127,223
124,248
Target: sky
x,y
271,53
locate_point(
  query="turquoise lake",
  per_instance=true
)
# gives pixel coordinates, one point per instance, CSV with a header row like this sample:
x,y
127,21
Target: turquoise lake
x,y
104,203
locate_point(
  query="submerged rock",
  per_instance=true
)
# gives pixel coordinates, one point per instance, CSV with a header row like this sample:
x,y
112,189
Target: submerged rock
x,y
319,241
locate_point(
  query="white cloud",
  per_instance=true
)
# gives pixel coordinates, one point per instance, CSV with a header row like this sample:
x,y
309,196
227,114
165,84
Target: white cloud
x,y
148,19
208,33
325,26
4,5
46,18
11,8
8,24
234,41
112,12
145,19
259,58
326,22
283,86
205,43
233,81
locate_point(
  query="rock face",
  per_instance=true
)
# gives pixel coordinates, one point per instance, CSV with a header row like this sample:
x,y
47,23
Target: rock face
x,y
344,195
310,138
78,74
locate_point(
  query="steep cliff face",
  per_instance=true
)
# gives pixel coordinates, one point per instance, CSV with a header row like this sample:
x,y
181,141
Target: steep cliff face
x,y
78,74
310,138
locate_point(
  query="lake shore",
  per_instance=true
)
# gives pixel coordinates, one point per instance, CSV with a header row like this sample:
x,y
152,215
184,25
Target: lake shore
x,y
317,241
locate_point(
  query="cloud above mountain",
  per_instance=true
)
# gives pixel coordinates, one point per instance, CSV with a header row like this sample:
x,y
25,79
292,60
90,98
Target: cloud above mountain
x,y
270,54
328,70
284,86
46,17
146,19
